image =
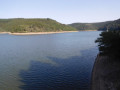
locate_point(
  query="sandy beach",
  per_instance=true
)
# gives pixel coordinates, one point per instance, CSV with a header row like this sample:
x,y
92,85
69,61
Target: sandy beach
x,y
35,33
5,32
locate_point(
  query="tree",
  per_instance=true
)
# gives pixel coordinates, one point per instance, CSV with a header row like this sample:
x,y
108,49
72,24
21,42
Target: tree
x,y
109,43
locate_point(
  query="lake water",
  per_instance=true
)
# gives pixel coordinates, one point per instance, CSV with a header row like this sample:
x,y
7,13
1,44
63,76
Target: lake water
x,y
47,62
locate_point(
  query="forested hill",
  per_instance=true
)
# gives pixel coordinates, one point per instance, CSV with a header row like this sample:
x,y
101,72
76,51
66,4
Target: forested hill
x,y
32,25
111,25
114,25
89,26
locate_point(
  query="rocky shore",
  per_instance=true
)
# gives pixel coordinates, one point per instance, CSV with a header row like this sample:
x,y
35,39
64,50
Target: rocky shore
x,y
106,74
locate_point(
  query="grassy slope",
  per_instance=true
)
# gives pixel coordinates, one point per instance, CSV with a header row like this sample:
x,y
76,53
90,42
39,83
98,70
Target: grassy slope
x,y
32,25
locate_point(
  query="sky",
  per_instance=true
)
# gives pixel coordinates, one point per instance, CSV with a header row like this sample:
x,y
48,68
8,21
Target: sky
x,y
63,11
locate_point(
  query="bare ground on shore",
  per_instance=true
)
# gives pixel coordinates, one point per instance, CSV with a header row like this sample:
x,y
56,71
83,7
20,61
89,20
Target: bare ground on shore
x,y
35,33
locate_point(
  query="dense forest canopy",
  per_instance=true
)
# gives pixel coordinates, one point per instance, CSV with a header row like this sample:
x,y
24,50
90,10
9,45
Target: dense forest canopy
x,y
109,42
114,25
88,26
32,25
110,25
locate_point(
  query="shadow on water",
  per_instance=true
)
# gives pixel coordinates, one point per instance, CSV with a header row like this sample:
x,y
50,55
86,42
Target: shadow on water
x,y
73,73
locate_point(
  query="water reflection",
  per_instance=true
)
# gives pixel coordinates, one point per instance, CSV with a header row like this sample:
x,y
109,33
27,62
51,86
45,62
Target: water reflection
x,y
64,52
72,73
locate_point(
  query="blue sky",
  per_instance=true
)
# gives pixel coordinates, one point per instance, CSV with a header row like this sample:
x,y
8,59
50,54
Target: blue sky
x,y
64,11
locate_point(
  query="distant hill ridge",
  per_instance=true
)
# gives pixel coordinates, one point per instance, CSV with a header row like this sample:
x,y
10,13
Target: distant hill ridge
x,y
22,25
111,25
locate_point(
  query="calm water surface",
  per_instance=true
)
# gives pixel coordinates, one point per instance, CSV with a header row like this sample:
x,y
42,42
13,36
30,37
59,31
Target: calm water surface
x,y
47,62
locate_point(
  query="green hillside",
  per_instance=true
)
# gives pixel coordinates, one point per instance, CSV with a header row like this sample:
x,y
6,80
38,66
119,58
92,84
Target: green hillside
x,y
110,25
89,26
32,25
113,25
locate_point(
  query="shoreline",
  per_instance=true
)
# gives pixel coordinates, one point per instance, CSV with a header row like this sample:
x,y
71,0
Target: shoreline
x,y
105,74
36,33
101,70
94,84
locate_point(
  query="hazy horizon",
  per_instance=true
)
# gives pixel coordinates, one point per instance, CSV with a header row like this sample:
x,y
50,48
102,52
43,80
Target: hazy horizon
x,y
63,11
60,22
